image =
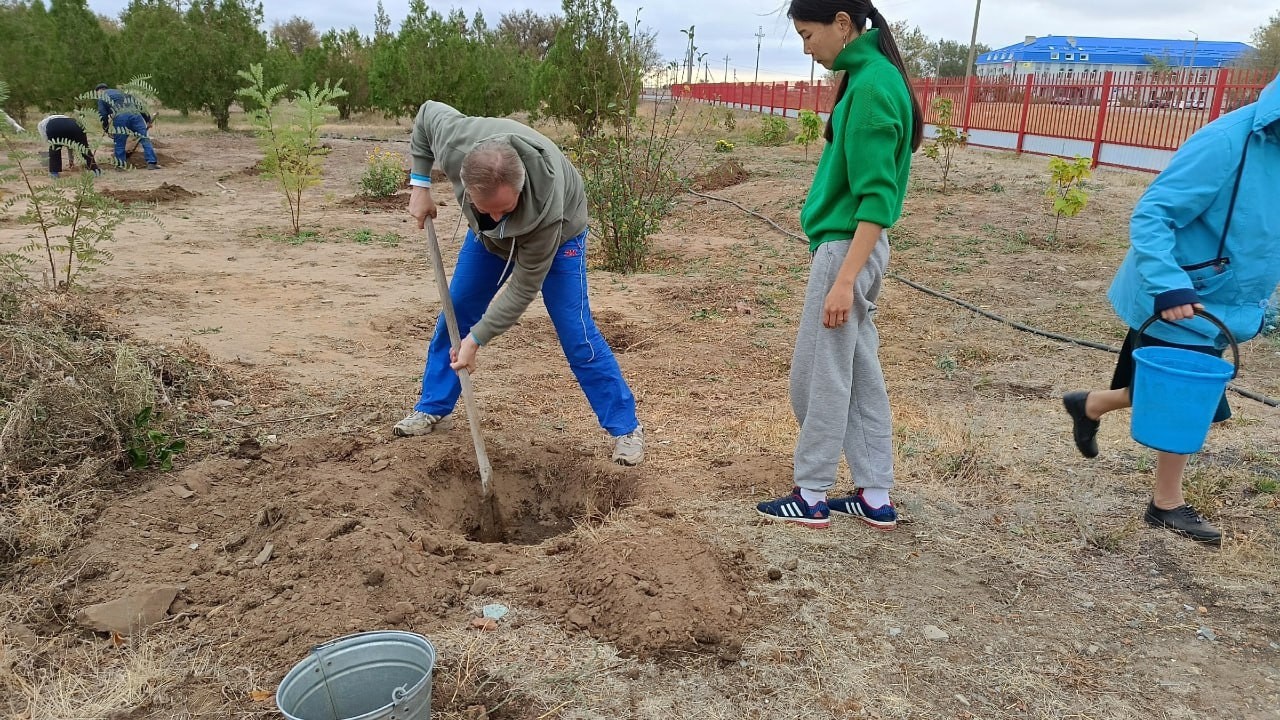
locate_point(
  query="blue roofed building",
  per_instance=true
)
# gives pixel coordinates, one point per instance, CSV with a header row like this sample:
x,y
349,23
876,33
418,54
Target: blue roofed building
x,y
1073,55
1157,73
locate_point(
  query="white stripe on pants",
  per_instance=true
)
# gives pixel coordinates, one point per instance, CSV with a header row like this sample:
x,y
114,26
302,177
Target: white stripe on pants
x,y
837,387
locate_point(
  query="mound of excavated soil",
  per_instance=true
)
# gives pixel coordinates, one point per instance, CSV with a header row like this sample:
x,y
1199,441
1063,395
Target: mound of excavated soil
x,y
658,592
726,174
398,201
164,193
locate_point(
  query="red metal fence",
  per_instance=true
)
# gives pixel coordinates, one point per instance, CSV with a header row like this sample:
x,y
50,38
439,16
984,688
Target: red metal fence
x,y
1152,110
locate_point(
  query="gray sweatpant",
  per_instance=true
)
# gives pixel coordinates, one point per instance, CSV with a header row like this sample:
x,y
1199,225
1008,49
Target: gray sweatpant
x,y
837,387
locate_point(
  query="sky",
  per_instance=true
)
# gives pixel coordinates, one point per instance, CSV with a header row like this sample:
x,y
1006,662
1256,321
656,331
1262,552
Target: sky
x,y
729,27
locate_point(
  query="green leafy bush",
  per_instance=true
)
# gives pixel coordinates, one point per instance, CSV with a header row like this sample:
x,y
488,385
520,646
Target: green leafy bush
x,y
944,145
773,131
384,174
810,130
724,146
289,134
1065,178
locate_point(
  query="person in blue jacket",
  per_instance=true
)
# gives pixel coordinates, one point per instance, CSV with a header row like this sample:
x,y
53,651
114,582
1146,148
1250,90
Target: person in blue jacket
x,y
1205,234
123,116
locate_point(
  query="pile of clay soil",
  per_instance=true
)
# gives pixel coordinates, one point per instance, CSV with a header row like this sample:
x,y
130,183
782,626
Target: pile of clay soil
x,y
164,193
398,201
135,157
726,174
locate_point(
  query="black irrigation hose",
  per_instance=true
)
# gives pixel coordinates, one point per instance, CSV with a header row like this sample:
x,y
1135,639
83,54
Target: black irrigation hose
x,y
973,308
333,136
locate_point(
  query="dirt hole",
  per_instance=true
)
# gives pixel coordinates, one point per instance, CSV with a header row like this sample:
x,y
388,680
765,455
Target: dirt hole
x,y
540,492
620,334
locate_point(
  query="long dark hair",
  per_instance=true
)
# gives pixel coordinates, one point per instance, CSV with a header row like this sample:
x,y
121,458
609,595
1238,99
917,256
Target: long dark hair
x,y
824,11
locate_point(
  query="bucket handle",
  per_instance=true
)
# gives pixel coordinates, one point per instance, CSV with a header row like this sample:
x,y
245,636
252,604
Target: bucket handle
x,y
1235,347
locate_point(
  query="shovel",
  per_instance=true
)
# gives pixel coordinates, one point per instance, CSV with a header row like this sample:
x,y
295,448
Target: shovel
x,y
488,515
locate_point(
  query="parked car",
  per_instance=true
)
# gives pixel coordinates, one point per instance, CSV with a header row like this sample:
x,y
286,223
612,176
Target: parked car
x,y
1060,100
1158,103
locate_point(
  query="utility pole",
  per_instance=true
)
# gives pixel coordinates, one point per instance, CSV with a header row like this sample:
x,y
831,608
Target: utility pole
x,y
726,67
937,64
702,62
973,46
759,37
1195,44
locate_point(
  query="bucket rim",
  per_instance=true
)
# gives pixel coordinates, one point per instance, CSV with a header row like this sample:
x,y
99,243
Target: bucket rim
x,y
313,658
1225,371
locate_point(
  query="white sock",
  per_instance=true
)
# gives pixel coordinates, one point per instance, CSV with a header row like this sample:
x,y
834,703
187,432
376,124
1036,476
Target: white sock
x,y
875,497
813,497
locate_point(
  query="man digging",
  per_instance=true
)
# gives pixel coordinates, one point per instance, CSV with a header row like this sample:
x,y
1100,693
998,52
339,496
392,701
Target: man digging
x,y
526,214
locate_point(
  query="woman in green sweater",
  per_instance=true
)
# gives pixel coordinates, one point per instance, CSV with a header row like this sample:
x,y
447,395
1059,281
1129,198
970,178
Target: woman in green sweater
x,y
837,387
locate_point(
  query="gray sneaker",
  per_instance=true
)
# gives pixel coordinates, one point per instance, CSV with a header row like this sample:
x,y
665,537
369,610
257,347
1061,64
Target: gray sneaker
x,y
629,449
420,423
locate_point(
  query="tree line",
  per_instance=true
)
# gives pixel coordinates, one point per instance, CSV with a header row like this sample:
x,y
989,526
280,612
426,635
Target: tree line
x,y
583,66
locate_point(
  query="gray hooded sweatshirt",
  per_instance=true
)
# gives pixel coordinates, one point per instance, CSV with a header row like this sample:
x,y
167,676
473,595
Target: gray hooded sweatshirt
x,y
552,207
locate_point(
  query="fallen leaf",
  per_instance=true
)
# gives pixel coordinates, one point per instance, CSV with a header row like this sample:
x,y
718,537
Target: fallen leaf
x,y
484,624
259,695
117,640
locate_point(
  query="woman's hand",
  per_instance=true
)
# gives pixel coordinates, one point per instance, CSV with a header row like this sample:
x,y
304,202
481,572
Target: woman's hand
x,y
838,305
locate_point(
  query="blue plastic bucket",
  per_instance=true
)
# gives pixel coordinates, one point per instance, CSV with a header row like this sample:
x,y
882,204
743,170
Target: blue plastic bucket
x,y
1175,394
383,675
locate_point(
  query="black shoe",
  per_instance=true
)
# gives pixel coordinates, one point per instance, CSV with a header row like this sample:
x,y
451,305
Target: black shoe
x,y
1083,428
1183,520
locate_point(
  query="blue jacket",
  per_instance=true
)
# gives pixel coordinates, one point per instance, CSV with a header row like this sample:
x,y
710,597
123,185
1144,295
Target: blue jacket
x,y
1177,226
118,103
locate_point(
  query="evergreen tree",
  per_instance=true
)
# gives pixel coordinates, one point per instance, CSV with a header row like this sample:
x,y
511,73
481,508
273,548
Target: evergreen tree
x,y
222,35
82,58
592,74
26,49
150,43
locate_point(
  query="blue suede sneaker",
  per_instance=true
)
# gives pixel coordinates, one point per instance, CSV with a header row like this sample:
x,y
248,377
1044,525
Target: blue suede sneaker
x,y
881,518
794,509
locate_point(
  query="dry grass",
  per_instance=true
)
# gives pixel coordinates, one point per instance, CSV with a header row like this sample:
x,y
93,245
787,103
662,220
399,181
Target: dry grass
x,y
71,392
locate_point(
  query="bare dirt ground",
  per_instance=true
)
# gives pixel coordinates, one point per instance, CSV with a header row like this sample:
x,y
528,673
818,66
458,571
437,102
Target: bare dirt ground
x,y
1021,583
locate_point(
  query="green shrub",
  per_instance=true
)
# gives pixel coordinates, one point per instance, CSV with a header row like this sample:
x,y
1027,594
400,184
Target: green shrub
x,y
810,130
724,146
730,121
942,149
384,174
1065,179
773,131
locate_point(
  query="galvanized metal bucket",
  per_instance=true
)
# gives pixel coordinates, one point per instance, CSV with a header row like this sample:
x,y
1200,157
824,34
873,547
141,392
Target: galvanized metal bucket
x,y
383,675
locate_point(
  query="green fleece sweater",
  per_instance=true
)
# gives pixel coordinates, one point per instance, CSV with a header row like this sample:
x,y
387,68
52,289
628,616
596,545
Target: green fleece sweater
x,y
552,207
863,172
